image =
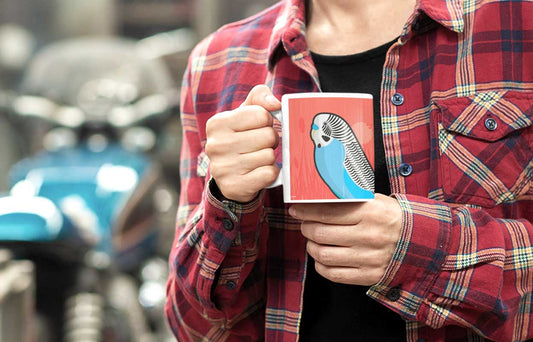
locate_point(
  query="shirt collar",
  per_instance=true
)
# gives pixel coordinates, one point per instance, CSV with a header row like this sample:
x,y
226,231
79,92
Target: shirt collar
x,y
290,24
448,13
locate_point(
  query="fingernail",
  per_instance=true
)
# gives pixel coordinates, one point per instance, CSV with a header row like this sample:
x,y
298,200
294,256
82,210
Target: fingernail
x,y
293,212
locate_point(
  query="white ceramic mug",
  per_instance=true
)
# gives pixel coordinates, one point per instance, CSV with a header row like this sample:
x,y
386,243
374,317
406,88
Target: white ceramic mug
x,y
327,147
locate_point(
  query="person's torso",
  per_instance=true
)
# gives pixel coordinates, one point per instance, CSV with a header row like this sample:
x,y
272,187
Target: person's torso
x,y
456,114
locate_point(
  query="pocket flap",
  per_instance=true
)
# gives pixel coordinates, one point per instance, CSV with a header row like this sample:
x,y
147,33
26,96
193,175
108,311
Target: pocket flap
x,y
487,116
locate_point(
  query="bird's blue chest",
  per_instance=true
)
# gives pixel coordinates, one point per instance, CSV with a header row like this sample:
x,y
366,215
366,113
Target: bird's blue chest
x,y
329,161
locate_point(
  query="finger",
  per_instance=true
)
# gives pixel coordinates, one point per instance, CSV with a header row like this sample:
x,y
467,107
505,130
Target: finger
x,y
242,164
251,117
331,213
236,143
262,95
361,235
349,275
332,255
244,188
336,235
261,177
238,120
257,139
358,257
253,160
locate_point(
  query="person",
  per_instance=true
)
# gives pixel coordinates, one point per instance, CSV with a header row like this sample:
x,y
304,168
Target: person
x,y
443,253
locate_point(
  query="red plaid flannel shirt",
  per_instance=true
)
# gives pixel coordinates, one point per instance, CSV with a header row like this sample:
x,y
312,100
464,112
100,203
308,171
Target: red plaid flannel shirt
x,y
457,107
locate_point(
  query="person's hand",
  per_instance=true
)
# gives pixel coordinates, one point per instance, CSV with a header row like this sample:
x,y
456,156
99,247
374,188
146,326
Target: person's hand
x,y
352,243
240,146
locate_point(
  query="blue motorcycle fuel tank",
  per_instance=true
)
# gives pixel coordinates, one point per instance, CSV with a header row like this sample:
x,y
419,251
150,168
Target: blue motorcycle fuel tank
x,y
88,187
29,219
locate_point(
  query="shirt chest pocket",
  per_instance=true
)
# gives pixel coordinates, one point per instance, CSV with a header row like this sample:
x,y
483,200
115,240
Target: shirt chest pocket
x,y
485,147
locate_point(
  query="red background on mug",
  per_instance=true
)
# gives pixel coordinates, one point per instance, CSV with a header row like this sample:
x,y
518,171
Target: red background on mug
x,y
306,183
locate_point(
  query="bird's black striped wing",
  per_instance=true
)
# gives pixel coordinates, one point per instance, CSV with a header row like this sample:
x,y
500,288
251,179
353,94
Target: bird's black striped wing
x,y
355,161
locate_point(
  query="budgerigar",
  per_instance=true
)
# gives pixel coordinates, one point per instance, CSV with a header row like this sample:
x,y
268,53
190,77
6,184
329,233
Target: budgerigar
x,y
340,159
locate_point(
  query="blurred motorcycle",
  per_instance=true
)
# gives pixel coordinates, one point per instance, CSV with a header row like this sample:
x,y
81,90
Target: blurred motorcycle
x,y
89,208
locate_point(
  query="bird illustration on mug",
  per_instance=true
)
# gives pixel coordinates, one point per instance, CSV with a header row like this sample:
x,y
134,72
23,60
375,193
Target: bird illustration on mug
x,y
339,158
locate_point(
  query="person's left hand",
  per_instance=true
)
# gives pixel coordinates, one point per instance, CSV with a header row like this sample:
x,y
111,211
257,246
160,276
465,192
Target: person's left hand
x,y
352,243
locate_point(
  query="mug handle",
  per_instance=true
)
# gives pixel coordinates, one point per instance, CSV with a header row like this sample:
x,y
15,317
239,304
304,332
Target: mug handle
x,y
279,181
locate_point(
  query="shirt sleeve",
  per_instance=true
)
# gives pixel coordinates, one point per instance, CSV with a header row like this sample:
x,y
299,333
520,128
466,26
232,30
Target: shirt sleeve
x,y
215,283
457,265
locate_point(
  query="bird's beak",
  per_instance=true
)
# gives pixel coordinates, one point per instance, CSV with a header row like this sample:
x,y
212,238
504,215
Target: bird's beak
x,y
314,134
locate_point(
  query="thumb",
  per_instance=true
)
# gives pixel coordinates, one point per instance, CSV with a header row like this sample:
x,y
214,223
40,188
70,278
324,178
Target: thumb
x,y
261,95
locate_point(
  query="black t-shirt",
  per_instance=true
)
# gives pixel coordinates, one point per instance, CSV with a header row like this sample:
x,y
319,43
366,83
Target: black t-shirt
x,y
339,312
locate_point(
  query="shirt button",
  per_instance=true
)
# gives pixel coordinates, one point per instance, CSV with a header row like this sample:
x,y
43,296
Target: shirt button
x,y
491,124
227,224
406,169
416,25
230,285
397,99
394,294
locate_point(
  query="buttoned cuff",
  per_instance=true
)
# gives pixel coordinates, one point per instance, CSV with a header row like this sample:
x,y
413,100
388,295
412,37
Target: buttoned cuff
x,y
228,222
418,258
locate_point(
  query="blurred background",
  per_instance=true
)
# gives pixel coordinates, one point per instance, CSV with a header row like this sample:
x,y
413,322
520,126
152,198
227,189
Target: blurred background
x,y
26,26
89,155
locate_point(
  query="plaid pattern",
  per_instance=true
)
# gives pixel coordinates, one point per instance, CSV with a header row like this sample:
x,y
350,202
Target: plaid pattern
x,y
463,268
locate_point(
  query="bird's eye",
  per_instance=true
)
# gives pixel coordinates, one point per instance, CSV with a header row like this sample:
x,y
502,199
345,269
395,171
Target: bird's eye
x,y
325,138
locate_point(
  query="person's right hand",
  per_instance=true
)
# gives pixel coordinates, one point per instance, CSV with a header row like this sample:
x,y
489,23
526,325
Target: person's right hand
x,y
240,146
